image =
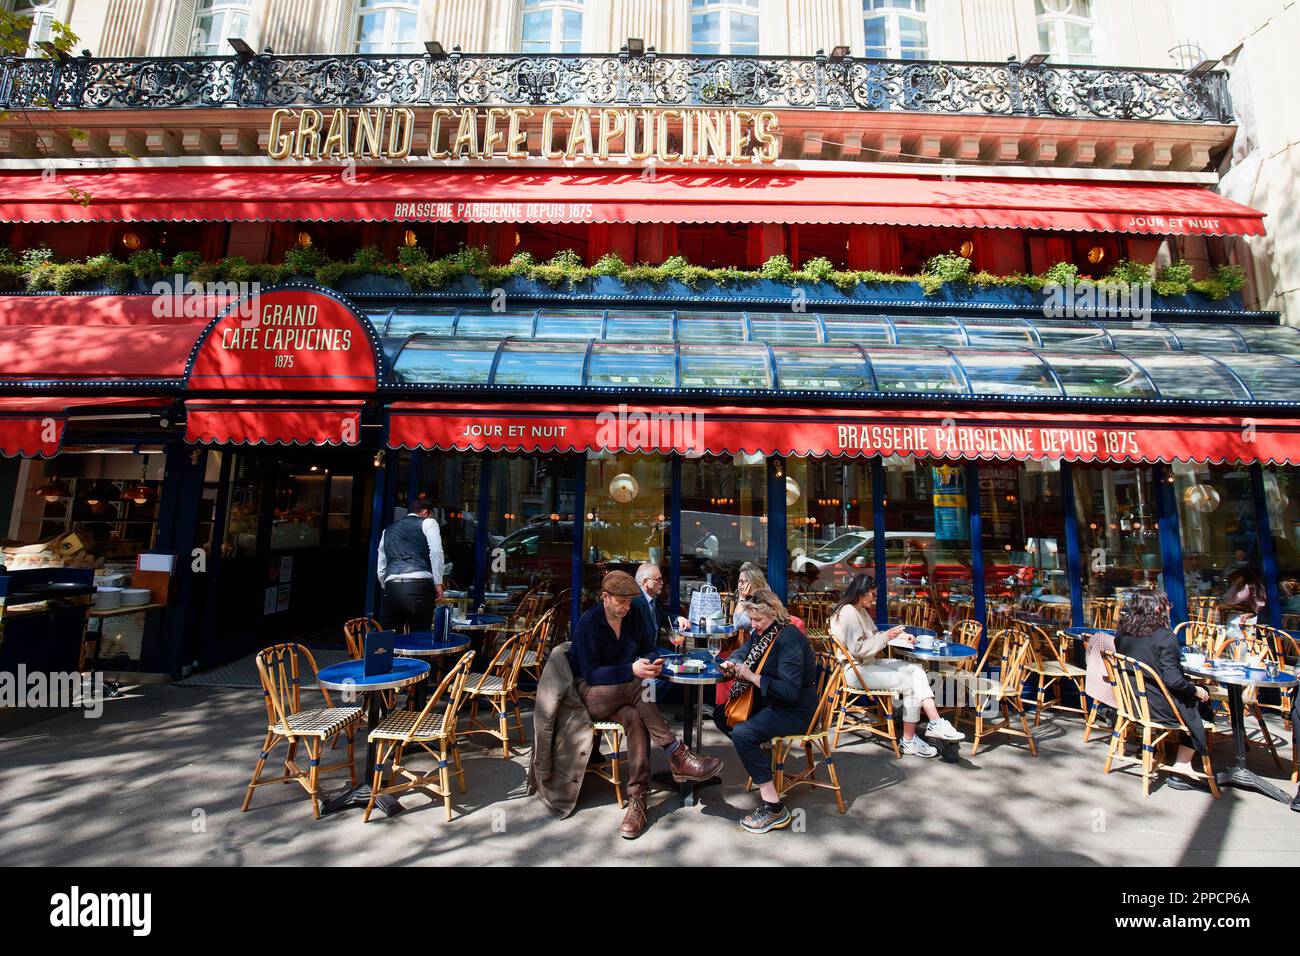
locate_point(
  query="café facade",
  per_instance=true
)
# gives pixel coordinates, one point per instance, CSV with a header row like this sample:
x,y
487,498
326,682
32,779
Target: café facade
x,y
971,445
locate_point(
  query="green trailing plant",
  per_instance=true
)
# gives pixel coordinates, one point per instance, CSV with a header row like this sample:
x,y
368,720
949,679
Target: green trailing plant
x,y
1127,272
37,269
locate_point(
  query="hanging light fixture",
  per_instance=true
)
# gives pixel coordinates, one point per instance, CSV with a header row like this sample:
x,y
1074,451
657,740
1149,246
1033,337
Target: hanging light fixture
x,y
623,488
409,238
53,490
102,491
132,241
1202,498
141,492
792,490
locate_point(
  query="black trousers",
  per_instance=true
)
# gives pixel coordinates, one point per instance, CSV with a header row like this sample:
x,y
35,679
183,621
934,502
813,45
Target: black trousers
x,y
749,737
408,606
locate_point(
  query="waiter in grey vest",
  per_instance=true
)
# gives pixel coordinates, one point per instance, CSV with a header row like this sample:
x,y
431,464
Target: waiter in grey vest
x,y
410,569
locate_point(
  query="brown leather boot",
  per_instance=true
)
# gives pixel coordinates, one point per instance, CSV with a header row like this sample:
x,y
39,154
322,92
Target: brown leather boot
x,y
634,821
687,765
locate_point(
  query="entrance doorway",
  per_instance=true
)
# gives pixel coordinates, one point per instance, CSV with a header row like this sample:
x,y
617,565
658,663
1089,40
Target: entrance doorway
x,y
292,551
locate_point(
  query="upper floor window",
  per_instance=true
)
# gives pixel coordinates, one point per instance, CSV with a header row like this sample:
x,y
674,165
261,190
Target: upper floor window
x,y
724,26
43,14
388,26
1065,29
217,21
895,29
552,26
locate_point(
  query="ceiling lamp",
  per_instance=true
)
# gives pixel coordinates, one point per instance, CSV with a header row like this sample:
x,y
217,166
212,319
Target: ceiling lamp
x,y
102,491
304,240
792,491
1202,498
139,493
1096,254
967,249
54,490
410,238
623,488
132,241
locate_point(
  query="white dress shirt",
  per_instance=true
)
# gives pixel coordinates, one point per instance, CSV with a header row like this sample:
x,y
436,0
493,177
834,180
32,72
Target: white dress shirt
x,y
434,536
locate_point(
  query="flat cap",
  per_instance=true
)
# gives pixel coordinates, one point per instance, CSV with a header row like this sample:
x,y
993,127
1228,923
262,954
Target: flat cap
x,y
620,584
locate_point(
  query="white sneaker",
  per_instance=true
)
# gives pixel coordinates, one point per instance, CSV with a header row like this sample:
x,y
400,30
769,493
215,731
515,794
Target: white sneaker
x,y
942,730
917,747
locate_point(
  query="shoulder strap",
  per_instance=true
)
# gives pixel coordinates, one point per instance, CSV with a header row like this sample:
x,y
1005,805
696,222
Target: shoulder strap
x,y
763,659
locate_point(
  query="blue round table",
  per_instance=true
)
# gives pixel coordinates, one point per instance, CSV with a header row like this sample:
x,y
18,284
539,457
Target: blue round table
x,y
423,644
1236,677
350,678
477,622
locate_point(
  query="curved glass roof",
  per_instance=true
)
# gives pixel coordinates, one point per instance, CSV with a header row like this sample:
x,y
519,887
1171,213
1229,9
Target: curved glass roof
x,y
1009,357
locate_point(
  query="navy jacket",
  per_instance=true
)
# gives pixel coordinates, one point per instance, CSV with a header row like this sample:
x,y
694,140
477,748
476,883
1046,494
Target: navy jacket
x,y
788,680
655,615
598,657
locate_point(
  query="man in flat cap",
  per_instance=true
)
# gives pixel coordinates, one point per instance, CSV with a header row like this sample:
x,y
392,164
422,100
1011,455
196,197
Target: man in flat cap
x,y
613,652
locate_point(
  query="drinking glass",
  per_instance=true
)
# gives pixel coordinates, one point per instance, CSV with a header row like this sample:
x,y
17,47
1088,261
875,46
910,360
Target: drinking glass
x,y
679,638
715,646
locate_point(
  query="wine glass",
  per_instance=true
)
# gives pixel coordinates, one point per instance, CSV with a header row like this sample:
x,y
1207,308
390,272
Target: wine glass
x,y
678,639
715,646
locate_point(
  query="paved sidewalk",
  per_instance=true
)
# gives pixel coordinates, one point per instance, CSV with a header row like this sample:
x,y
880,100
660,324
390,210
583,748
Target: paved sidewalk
x,y
160,777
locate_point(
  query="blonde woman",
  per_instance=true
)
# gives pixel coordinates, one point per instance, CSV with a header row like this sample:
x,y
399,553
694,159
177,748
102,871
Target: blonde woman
x,y
854,629
785,697
750,581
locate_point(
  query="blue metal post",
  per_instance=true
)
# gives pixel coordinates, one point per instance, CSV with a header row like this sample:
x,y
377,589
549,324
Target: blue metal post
x,y
675,535
1074,565
487,471
378,521
976,548
579,534
208,650
1267,552
878,538
776,550
1171,545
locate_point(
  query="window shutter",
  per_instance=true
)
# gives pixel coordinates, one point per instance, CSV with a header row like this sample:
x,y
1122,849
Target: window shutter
x,y
345,40
184,21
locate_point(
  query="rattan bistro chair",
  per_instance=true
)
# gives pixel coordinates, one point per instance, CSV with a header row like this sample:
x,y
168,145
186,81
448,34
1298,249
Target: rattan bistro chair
x,y
280,670
497,687
434,726
537,644
1008,652
830,678
869,712
609,733
1134,683
1046,662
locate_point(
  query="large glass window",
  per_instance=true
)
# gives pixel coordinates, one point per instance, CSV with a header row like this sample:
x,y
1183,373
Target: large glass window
x,y
531,522
1216,521
551,26
1119,535
388,26
724,26
43,14
1282,494
628,504
927,541
452,480
1065,29
895,29
1022,522
217,21
828,528
724,519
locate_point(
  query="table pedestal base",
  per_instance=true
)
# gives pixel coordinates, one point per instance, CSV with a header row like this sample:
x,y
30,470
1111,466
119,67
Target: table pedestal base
x,y
1241,777
357,798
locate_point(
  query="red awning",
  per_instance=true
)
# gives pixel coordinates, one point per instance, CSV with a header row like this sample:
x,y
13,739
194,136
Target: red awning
x,y
287,422
930,433
94,352
33,425
566,195
115,310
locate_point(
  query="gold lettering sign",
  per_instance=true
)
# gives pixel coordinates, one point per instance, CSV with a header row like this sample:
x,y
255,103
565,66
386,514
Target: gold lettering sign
x,y
685,135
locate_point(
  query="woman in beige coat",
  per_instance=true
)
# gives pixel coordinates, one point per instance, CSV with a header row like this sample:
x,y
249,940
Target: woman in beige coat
x,y
855,633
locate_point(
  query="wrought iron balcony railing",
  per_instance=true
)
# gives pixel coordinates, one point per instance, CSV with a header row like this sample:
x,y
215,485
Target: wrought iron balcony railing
x,y
471,79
